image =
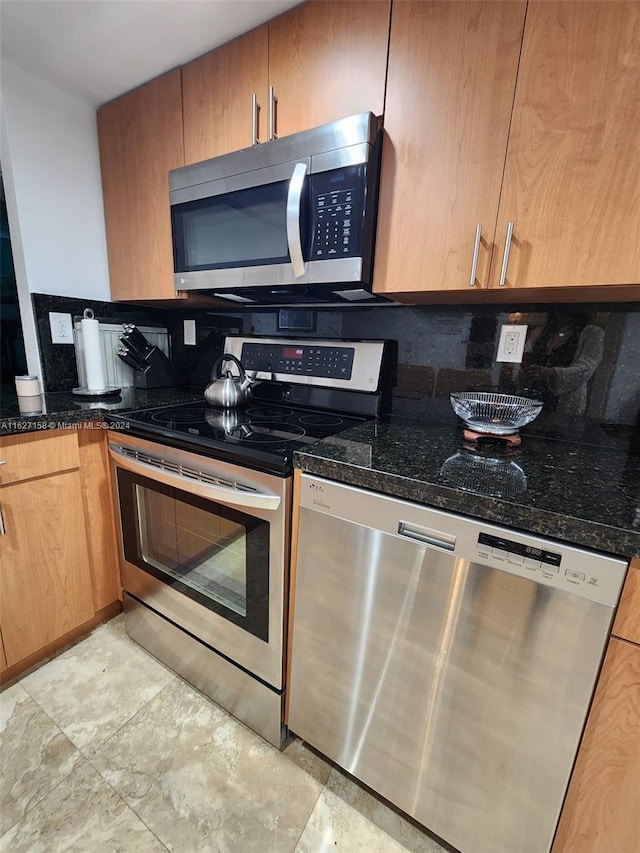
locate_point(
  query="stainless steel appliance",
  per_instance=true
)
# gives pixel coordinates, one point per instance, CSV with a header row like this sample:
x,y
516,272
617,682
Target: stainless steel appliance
x,y
447,663
291,221
204,502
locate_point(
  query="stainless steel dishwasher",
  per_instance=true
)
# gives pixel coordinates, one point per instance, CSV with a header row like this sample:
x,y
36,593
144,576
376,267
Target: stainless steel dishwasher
x,y
447,663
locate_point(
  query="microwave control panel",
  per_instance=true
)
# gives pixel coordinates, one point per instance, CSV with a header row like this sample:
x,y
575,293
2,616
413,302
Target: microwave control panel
x,y
338,198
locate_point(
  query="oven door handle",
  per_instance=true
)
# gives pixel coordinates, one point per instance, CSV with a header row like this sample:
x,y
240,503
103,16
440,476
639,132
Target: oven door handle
x,y
193,484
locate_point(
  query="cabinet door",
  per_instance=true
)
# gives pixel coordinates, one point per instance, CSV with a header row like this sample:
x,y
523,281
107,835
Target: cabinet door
x,y
45,586
141,139
572,178
217,92
451,80
327,60
627,623
600,813
98,506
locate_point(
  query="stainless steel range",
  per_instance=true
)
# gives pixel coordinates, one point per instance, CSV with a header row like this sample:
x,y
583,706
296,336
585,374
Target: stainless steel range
x,y
204,505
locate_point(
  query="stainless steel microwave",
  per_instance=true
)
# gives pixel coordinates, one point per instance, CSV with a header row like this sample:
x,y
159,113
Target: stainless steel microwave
x,y
288,222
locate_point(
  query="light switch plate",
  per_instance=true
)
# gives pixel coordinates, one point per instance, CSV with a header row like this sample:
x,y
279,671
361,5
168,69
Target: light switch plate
x,y
61,328
511,343
190,333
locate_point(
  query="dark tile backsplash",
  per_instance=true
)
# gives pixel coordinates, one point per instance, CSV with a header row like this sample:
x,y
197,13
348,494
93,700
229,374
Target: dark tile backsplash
x,y
580,359
59,360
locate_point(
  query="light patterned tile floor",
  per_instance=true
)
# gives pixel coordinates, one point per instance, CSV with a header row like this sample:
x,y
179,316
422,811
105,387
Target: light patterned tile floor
x,y
104,749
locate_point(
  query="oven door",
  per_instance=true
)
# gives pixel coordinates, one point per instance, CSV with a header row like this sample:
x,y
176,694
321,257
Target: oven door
x,y
205,544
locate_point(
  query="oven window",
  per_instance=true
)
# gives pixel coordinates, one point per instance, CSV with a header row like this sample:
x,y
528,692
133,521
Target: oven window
x,y
212,553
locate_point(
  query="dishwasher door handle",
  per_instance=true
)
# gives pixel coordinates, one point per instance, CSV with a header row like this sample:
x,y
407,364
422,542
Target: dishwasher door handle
x,y
426,536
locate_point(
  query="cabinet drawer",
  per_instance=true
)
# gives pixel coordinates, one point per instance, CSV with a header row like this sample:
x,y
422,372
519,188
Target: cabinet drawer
x,y
627,623
37,454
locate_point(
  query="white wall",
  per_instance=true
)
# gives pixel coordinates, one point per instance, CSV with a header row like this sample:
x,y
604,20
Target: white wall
x,y
51,173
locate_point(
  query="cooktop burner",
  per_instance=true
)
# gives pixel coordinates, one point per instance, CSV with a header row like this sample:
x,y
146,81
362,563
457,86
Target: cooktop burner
x,y
269,412
263,435
321,420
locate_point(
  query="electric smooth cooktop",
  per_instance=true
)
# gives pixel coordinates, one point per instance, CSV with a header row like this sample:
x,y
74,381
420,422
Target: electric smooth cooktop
x,y
308,389
262,435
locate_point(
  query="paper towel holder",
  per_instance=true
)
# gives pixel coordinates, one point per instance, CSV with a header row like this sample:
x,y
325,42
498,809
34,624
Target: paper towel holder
x,y
108,391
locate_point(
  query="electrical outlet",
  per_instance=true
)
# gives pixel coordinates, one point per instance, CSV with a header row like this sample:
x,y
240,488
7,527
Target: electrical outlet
x,y
190,333
511,343
61,328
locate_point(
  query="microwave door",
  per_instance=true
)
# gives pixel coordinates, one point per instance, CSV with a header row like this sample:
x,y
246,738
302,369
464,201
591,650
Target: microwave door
x,y
244,230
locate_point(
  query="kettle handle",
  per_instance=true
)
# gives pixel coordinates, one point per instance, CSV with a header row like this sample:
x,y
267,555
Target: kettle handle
x,y
215,370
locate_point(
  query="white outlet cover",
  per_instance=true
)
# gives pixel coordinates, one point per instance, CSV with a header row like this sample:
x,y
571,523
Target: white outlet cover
x,y
190,333
511,343
61,328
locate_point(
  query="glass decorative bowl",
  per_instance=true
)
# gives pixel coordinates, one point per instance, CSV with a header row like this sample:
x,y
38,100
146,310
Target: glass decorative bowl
x,y
494,414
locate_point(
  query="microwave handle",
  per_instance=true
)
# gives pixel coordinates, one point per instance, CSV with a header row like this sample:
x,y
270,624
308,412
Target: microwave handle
x,y
294,198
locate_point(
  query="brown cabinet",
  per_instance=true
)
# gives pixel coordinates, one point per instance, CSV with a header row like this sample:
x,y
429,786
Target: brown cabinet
x,y
225,95
450,85
572,183
600,813
141,139
627,623
571,186
57,548
328,60
319,62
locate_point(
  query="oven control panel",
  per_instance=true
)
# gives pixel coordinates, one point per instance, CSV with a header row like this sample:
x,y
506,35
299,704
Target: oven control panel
x,y
334,362
345,365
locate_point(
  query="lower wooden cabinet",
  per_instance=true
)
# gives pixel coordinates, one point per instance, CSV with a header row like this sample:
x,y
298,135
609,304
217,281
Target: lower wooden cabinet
x,y
601,812
45,585
57,548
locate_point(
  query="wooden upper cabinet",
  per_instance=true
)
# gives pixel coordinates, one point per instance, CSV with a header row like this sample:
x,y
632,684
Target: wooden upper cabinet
x,y
572,178
327,60
450,87
218,90
141,139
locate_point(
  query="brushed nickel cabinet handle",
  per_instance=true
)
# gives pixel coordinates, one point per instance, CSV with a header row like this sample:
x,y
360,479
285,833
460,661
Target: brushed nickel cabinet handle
x,y
474,260
3,531
505,257
255,111
272,113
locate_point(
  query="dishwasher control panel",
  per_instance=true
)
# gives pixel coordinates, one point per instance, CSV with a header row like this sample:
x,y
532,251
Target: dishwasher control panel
x,y
444,535
541,563
518,554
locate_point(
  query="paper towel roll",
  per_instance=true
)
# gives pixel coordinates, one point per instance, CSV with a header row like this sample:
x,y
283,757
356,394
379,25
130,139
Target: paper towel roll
x,y
27,386
92,352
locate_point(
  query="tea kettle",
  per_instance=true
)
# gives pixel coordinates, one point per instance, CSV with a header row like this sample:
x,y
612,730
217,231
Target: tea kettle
x,y
228,391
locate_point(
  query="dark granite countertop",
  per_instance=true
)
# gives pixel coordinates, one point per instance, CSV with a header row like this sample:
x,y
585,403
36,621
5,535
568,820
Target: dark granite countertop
x,y
62,410
578,485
